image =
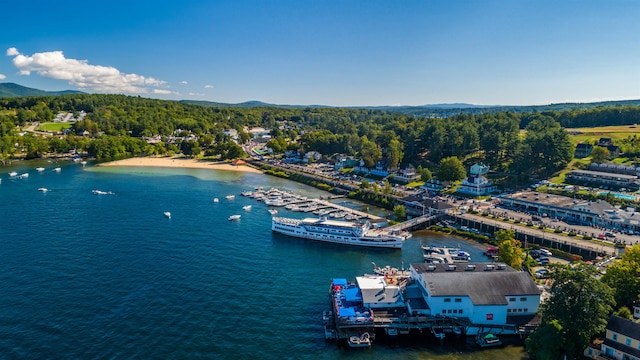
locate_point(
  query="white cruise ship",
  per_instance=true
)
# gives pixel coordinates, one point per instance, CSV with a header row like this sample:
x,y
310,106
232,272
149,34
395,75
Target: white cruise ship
x,y
339,232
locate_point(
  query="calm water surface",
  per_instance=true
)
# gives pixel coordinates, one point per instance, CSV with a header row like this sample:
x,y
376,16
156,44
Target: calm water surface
x,y
87,276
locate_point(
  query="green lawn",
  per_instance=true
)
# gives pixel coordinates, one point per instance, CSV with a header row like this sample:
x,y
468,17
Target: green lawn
x,y
53,127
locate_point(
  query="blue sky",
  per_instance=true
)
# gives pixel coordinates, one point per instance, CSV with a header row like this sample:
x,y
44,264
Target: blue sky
x,y
340,53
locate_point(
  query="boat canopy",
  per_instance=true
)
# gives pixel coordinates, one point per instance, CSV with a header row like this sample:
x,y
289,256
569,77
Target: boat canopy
x,y
353,295
340,282
347,311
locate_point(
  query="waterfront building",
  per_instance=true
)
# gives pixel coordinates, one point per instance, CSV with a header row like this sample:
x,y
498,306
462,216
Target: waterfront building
x,y
578,211
485,295
477,184
622,340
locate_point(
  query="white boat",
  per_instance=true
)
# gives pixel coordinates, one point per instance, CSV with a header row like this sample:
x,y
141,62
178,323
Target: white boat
x,y
273,211
57,169
13,173
363,340
167,214
488,340
234,217
215,200
43,189
334,231
100,192
83,163
40,169
246,207
22,176
230,197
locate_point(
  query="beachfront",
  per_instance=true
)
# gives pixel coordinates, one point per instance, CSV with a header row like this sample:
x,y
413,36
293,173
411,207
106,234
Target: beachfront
x,y
179,162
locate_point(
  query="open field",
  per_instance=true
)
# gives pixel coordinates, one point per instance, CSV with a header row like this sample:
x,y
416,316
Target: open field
x,y
53,127
592,134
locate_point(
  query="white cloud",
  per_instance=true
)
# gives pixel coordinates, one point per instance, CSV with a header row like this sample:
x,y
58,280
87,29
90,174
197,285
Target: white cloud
x,y
80,73
162,91
195,94
208,86
183,82
3,76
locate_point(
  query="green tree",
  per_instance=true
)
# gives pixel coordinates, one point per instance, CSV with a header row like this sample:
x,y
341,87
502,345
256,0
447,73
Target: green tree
x,y
400,212
624,313
546,342
581,305
395,153
425,173
624,276
370,152
600,154
451,169
510,251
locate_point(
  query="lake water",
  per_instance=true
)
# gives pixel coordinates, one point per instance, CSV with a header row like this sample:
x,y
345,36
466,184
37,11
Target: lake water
x,y
88,276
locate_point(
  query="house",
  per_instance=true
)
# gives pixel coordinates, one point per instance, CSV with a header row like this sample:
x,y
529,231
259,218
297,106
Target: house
x,y
484,295
477,184
380,169
406,174
232,133
583,150
604,142
416,205
312,156
622,340
636,310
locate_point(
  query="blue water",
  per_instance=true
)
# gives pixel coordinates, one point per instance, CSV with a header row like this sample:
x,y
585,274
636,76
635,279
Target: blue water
x,y
87,276
618,195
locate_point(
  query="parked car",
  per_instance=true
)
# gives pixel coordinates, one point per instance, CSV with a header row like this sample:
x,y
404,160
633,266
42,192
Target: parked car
x,y
545,252
542,274
534,253
608,234
543,260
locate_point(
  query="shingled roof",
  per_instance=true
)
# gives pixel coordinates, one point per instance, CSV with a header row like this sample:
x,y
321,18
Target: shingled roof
x,y
483,287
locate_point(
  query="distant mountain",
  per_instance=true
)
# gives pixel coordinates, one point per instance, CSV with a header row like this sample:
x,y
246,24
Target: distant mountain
x,y
15,90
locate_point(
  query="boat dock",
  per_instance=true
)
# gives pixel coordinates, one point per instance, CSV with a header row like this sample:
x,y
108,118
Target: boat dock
x,y
295,202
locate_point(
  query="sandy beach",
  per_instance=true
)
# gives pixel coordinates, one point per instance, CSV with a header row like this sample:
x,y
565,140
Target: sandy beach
x,y
179,162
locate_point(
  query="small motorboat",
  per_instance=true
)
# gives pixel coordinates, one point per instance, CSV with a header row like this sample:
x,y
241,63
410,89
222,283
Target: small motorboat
x,y
167,214
246,207
234,217
273,211
57,169
215,200
230,197
40,169
360,341
43,189
13,173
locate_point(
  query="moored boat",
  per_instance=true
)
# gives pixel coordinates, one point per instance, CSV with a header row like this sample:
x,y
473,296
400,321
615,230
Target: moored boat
x,y
40,169
488,340
234,217
334,231
363,340
167,214
13,173
215,200
230,197
246,207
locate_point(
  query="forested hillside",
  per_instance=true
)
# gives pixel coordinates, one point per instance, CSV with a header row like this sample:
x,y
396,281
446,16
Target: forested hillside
x,y
116,125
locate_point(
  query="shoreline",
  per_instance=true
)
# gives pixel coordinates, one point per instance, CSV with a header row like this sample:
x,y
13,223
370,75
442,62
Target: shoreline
x,y
180,162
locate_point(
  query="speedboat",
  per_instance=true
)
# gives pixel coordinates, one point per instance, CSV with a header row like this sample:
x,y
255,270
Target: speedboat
x,y
167,214
43,189
40,169
246,207
13,173
22,176
230,197
215,200
273,211
234,217
57,169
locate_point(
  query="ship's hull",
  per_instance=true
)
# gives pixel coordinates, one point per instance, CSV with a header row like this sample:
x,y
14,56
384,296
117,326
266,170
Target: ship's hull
x,y
376,242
